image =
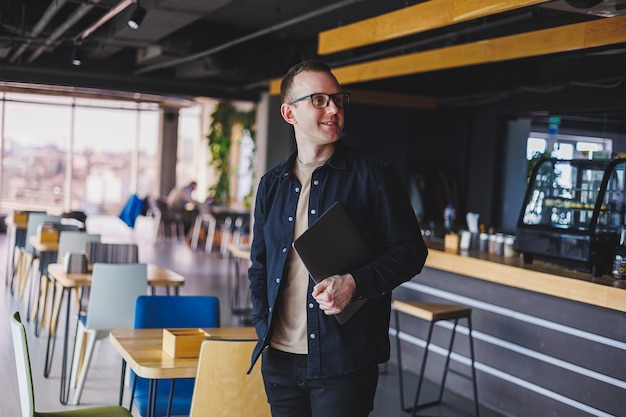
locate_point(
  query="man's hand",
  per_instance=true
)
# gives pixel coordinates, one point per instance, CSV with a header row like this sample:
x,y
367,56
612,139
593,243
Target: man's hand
x,y
334,293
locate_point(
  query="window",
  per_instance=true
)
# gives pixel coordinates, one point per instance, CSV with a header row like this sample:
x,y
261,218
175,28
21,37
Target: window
x,y
568,146
80,154
36,136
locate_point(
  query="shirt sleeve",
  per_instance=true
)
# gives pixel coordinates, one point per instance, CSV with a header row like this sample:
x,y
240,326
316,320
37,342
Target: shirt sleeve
x,y
403,251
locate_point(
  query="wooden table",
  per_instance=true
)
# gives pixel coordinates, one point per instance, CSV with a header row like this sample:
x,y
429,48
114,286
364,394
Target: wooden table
x,y
142,350
157,276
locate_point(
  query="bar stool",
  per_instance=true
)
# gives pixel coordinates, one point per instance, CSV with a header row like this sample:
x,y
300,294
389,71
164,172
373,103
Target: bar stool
x,y
433,312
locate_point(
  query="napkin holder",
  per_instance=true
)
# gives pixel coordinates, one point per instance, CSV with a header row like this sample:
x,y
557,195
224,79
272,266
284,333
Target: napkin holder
x,y
451,242
75,263
183,343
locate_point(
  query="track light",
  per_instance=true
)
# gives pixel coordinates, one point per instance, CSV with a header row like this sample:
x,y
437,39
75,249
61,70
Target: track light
x,y
77,56
137,17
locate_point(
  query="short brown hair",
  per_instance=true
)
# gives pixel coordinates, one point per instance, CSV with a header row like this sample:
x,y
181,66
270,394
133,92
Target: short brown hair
x,y
310,65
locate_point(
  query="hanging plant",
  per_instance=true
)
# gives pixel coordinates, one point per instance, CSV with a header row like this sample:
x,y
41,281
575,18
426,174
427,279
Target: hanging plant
x,y
223,119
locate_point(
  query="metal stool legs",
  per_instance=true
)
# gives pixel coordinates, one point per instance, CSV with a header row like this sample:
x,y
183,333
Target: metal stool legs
x,y
416,405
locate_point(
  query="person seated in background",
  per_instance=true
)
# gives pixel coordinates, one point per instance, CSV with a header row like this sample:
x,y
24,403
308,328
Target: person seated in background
x,y
180,203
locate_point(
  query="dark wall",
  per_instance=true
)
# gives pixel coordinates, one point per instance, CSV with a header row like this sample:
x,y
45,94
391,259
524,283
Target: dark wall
x,y
471,144
384,132
468,145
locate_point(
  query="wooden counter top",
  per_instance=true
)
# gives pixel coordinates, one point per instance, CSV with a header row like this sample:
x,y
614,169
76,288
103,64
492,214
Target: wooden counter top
x,y
540,277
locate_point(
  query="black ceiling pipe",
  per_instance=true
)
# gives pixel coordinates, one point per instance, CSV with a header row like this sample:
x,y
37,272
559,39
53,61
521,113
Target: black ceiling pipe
x,y
583,4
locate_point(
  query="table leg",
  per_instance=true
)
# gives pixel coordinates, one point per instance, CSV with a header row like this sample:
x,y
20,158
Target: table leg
x,y
44,259
171,398
234,302
123,375
10,255
52,325
23,270
65,383
152,394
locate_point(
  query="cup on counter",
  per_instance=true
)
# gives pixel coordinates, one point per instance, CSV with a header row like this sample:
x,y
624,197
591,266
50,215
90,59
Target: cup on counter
x,y
492,244
499,249
466,240
483,242
509,246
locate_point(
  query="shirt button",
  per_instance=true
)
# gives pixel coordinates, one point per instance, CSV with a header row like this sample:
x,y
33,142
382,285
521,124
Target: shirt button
x,y
312,335
311,305
270,309
278,280
316,182
313,211
297,189
290,218
284,250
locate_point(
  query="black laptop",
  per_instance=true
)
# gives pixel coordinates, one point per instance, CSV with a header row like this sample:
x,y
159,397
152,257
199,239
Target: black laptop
x,y
333,245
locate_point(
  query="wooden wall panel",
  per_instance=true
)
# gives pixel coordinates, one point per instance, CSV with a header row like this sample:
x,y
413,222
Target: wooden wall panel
x,y
411,20
548,41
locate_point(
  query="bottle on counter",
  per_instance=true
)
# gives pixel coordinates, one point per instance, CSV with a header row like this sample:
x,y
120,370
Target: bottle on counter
x,y
449,215
619,263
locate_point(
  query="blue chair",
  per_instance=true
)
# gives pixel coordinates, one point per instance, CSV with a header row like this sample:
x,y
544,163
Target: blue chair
x,y
163,311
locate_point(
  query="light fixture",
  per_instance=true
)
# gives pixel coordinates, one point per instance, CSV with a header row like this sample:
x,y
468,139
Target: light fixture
x,y
137,16
77,56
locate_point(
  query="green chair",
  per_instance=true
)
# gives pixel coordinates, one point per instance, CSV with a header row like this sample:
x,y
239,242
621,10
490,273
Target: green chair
x,y
25,382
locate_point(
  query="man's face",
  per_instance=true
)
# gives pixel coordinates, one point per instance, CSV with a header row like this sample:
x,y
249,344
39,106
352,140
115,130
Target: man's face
x,y
314,126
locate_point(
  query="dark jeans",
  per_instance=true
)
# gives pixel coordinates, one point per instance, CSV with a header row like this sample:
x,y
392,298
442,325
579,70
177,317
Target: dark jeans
x,y
291,394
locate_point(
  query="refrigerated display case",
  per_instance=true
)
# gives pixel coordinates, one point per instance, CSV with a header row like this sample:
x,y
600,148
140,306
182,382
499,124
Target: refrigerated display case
x,y
572,213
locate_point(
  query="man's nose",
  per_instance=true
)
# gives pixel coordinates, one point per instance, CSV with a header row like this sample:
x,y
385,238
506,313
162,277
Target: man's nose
x,y
332,107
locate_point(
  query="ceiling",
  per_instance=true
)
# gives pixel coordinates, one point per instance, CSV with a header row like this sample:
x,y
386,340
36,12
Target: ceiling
x,y
234,48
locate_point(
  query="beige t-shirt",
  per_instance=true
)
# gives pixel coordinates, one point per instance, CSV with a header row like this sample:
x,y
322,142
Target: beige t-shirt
x,y
290,330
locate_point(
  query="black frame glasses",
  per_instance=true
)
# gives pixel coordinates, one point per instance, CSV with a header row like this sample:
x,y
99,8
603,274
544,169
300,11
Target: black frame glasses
x,y
322,100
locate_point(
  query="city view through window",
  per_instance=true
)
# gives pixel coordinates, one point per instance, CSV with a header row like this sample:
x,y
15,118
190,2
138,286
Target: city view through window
x,y
63,153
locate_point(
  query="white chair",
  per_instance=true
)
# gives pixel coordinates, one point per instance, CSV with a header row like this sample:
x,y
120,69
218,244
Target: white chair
x,y
28,254
111,305
69,242
203,219
27,390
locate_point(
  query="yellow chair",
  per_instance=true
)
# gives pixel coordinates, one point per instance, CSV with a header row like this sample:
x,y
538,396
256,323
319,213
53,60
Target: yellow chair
x,y
223,388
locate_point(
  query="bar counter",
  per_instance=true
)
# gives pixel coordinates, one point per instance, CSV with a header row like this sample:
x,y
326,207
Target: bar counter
x,y
541,277
548,340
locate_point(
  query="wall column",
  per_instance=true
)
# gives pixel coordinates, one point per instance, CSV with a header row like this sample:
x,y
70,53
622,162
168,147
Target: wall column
x,y
168,146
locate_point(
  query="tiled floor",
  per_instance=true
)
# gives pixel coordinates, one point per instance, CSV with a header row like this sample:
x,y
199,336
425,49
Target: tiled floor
x,y
204,274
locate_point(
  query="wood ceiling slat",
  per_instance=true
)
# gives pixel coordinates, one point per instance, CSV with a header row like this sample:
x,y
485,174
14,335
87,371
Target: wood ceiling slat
x,y
578,36
411,20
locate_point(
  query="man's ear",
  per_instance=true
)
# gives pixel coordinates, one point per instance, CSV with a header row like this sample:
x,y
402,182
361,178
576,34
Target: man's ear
x,y
287,113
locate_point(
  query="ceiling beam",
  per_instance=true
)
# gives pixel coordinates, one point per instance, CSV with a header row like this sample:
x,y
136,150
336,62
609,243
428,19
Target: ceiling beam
x,y
411,20
574,37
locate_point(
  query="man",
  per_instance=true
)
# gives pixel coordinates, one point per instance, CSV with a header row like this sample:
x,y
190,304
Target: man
x,y
182,206
312,365
179,197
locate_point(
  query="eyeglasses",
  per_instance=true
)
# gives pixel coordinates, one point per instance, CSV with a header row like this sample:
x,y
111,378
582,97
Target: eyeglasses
x,y
322,100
